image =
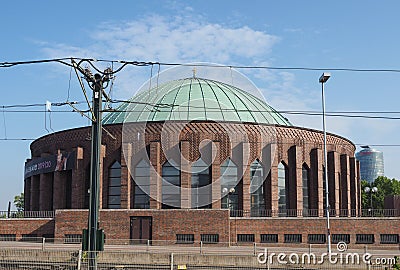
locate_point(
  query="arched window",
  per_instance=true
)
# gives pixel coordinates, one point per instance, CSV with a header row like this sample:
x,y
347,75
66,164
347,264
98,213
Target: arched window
x,y
282,199
306,178
142,185
171,191
201,185
257,189
114,186
229,189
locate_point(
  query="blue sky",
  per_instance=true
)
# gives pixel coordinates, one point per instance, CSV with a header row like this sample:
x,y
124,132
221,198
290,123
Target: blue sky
x,y
330,34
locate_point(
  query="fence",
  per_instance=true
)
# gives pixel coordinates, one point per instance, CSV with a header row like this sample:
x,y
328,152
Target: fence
x,y
316,213
267,213
27,214
196,247
11,259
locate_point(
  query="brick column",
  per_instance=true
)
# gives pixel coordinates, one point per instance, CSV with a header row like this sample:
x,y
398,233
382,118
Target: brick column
x,y
216,174
246,162
295,185
46,192
59,188
27,194
344,184
138,153
333,180
353,187
155,173
78,181
126,161
317,181
35,192
274,185
186,176
267,159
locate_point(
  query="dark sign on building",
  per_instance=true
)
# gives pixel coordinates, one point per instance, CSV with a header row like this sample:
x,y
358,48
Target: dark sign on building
x,y
61,162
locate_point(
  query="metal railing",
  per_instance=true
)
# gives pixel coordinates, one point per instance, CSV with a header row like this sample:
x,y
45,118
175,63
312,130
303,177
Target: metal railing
x,y
237,244
11,259
27,214
259,213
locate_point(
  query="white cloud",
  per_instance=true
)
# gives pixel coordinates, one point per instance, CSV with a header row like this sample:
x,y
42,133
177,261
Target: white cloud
x,y
182,39
179,39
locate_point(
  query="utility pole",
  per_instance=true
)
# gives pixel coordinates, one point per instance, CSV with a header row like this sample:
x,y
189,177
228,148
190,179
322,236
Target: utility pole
x,y
97,86
95,237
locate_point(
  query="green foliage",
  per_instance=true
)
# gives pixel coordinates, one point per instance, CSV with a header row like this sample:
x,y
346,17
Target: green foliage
x,y
385,187
19,202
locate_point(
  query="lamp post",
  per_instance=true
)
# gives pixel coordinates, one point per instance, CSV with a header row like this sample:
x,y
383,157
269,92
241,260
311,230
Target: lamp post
x,y
228,199
323,79
370,191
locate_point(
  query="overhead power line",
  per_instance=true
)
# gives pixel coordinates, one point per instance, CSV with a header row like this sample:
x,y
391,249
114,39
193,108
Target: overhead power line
x,y
124,63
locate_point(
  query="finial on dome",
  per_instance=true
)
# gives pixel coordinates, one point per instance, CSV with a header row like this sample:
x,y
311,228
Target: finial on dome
x,y
194,72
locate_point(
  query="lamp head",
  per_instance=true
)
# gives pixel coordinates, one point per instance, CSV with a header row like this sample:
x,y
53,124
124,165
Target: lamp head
x,y
324,77
374,189
367,189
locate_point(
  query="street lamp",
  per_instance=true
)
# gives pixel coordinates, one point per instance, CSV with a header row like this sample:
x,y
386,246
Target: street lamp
x,y
370,191
323,79
228,199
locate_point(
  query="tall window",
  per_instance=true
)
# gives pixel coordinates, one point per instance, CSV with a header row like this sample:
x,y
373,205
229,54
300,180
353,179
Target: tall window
x,y
257,189
171,194
142,185
114,186
201,185
305,177
282,201
229,190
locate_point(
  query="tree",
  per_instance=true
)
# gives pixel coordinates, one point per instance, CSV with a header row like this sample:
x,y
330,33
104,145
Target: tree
x,y
19,202
385,187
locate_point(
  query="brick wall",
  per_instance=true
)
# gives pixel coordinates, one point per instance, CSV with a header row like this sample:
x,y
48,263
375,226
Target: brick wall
x,y
19,227
305,226
165,223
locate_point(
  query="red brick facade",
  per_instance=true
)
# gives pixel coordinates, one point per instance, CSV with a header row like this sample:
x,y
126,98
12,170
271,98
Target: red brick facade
x,y
298,149
243,143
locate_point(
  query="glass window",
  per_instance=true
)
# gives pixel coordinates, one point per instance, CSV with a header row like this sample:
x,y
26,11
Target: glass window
x,y
336,238
292,238
245,238
114,186
306,177
142,185
365,239
201,185
171,186
269,238
185,238
229,189
257,189
210,238
389,238
282,174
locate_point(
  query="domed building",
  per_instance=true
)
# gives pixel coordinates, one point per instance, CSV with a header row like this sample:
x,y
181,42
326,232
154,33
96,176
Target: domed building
x,y
198,160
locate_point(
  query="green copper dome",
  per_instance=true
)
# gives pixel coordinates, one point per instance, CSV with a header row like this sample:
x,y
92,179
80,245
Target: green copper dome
x,y
195,99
